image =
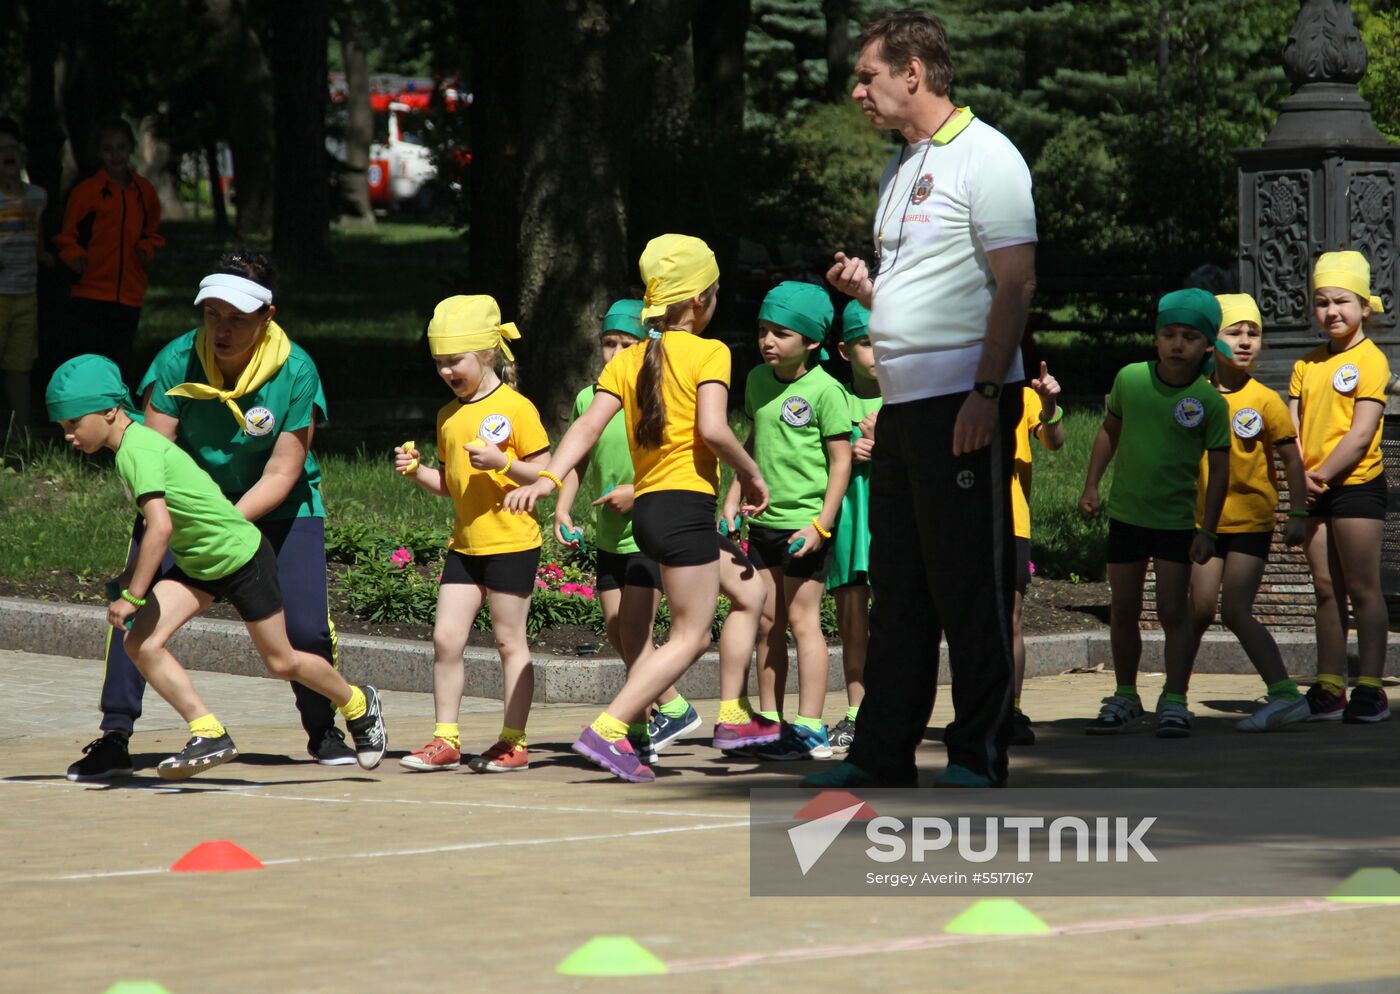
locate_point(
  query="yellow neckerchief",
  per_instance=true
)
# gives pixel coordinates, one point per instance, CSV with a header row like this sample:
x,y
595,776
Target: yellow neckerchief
x,y
268,357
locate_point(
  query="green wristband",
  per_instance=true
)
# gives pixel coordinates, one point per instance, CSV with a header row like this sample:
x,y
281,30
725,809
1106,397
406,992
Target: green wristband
x,y
131,598
1055,418
1210,535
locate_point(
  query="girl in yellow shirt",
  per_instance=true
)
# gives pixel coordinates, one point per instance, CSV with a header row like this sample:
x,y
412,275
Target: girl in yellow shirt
x,y
674,391
1336,398
1259,427
489,441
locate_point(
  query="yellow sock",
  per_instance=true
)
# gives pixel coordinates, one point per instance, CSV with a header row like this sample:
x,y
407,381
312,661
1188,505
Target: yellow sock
x,y
513,736
609,727
1016,704
356,706
1374,682
1332,681
747,707
207,727
733,712
448,731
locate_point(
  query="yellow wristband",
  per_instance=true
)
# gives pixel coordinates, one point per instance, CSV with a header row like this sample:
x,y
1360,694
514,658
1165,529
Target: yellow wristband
x,y
547,475
820,530
506,468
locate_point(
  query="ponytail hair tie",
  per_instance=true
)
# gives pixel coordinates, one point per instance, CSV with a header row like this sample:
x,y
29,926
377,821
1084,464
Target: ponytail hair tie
x,y
654,333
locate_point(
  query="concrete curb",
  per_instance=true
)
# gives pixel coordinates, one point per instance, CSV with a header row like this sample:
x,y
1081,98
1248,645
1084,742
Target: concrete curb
x,y
400,664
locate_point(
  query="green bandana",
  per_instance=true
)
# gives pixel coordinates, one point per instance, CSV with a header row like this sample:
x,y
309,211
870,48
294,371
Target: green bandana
x,y
625,316
87,384
801,307
1196,309
855,321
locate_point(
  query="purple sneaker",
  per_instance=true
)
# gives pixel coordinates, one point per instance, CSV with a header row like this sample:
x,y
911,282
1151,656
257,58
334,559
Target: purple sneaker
x,y
757,731
618,758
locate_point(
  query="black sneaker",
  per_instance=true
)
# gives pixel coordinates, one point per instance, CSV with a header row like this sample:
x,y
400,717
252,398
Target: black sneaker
x,y
103,759
329,749
1021,732
198,755
371,740
841,737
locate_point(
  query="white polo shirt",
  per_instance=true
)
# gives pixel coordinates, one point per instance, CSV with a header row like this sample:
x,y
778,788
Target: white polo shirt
x,y
944,204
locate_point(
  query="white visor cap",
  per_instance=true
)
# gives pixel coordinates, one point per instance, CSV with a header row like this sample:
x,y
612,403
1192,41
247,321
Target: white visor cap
x,y
244,294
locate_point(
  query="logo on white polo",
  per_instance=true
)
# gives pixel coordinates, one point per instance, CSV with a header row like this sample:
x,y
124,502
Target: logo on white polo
x,y
259,421
1189,412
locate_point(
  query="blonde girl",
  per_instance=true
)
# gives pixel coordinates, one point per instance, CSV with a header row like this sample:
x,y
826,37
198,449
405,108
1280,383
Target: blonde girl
x,y
674,391
489,441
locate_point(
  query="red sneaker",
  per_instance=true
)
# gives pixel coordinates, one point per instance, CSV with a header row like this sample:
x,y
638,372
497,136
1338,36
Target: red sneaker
x,y
1324,704
757,731
501,758
438,754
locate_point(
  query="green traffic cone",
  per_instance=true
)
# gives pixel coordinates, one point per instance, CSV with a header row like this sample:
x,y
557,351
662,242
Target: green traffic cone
x,y
996,916
1372,885
136,987
610,956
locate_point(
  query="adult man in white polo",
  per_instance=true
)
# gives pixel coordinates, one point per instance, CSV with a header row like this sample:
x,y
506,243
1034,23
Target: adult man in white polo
x,y
948,291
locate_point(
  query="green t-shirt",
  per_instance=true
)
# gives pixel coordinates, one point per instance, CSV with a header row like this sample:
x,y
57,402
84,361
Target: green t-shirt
x,y
609,465
1165,431
209,432
210,539
791,423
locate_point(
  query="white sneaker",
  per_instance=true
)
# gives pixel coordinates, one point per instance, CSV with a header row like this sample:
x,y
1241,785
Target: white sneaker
x,y
1275,713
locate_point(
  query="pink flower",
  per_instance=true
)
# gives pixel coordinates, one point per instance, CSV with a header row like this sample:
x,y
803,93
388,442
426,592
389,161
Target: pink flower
x,y
586,591
744,545
569,588
401,557
541,583
1032,567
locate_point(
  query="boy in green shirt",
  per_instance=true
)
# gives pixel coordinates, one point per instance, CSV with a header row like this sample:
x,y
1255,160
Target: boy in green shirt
x,y
218,554
1161,417
629,582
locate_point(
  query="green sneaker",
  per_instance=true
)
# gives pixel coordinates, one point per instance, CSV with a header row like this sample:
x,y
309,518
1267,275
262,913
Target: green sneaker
x,y
848,775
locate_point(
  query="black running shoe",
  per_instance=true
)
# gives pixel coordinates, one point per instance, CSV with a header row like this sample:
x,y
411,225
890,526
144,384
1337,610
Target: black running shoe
x,y
103,759
1021,732
198,755
371,739
329,748
842,735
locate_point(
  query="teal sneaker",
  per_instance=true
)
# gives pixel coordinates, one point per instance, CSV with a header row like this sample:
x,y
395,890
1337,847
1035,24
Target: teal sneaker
x,y
849,776
961,776
796,742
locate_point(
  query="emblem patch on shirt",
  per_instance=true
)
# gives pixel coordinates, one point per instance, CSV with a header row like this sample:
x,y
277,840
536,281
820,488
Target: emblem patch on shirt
x,y
922,189
1345,379
797,412
1189,412
495,428
966,479
258,421
1247,422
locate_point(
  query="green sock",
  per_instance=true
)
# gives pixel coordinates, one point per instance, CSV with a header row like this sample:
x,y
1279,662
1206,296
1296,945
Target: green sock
x,y
637,730
1174,699
1374,682
852,712
813,724
772,715
676,708
1128,690
1285,690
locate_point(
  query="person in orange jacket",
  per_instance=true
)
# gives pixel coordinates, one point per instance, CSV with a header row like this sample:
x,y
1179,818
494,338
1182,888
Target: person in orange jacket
x,y
111,230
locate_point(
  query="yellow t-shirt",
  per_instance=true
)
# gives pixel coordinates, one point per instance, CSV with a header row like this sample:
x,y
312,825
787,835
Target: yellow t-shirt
x,y
683,461
1328,387
1259,422
504,418
1021,462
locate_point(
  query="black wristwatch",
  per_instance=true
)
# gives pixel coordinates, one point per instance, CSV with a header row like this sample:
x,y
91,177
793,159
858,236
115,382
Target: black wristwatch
x,y
987,389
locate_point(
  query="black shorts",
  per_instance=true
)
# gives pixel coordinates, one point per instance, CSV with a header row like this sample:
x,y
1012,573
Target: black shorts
x,y
1135,544
504,572
1023,564
676,527
1254,544
768,549
1352,500
253,589
627,569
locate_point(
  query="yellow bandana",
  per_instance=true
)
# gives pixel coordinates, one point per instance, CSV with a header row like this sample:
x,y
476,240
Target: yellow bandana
x,y
675,268
1237,307
268,357
1349,271
469,324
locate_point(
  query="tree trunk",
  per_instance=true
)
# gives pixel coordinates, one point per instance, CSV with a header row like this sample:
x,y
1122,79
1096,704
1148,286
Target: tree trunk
x,y
838,49
43,132
89,86
243,82
154,162
359,117
302,211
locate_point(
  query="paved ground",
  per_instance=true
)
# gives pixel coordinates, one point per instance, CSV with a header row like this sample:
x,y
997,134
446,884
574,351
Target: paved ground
x,y
392,882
